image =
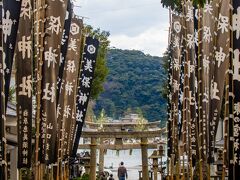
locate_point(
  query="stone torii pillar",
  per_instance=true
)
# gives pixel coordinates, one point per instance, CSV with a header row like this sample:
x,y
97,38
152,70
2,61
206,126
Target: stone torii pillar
x,y
144,148
93,160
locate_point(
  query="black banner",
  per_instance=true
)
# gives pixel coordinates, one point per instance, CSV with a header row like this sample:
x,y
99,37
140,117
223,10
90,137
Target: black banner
x,y
84,89
24,59
180,96
55,16
176,58
234,125
66,109
64,46
169,121
11,12
206,69
174,117
170,80
194,130
189,97
221,67
2,106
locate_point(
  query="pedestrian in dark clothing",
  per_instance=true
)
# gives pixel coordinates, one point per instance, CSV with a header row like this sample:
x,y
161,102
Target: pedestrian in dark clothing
x,y
103,176
122,172
111,177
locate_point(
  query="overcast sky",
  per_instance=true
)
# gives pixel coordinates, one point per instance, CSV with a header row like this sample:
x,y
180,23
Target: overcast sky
x,y
133,24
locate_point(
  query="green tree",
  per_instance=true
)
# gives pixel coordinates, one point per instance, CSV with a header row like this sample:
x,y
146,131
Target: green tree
x,y
12,94
141,122
139,111
101,119
134,80
200,2
90,116
164,87
128,111
176,5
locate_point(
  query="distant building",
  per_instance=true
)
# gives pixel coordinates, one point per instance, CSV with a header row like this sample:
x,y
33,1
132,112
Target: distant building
x,y
130,118
11,131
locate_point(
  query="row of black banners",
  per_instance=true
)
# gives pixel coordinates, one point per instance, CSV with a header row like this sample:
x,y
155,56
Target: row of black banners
x,y
50,52
204,78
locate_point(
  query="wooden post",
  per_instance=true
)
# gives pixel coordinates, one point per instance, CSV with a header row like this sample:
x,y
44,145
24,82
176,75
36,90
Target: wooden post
x,y
168,168
178,169
144,149
172,166
20,174
53,175
62,173
101,157
199,134
41,171
183,166
93,160
39,29
13,164
161,169
155,168
67,170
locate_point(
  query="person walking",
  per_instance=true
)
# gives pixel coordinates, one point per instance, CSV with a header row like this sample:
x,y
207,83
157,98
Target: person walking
x,y
122,172
102,176
111,177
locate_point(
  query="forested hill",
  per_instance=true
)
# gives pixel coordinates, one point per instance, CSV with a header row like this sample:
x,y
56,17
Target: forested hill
x,y
135,81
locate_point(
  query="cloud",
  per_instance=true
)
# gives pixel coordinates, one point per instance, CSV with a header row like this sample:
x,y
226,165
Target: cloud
x,y
128,21
152,41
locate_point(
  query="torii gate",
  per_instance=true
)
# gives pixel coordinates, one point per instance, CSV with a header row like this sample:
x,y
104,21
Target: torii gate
x,y
144,146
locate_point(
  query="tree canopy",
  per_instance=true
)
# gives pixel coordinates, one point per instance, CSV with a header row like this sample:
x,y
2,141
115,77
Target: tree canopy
x,y
176,5
135,81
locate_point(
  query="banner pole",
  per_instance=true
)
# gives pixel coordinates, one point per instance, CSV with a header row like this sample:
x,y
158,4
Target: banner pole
x,y
199,75
40,9
3,167
172,167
